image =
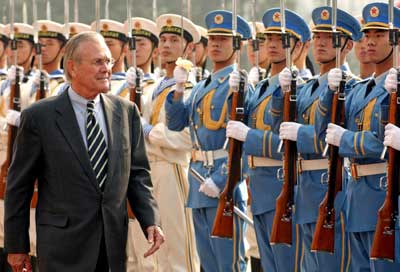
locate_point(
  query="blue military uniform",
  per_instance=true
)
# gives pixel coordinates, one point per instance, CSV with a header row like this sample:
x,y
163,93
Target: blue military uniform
x,y
366,115
261,147
206,113
310,189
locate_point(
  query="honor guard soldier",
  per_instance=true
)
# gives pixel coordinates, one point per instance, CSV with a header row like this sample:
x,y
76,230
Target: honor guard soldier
x,y
23,33
114,34
311,164
52,39
169,151
146,36
205,113
264,162
258,70
362,139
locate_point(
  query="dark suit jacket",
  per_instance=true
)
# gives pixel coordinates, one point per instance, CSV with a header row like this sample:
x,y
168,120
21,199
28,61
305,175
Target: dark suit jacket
x,y
72,213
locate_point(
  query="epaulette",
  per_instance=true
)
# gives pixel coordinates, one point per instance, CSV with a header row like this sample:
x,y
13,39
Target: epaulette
x,y
188,85
3,76
361,81
59,80
150,81
349,76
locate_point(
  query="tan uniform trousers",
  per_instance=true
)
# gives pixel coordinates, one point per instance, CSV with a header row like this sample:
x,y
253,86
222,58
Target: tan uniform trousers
x,y
178,253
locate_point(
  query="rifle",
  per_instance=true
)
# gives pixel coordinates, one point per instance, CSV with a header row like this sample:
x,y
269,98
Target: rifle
x,y
282,226
135,94
223,222
14,104
383,244
324,235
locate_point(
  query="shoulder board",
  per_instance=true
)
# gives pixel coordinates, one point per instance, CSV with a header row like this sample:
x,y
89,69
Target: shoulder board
x,y
188,85
361,81
150,81
3,76
59,80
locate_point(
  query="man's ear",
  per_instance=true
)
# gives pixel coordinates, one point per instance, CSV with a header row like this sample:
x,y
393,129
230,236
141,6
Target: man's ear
x,y
71,68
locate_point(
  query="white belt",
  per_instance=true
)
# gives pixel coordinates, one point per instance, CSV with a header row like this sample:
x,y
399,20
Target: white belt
x,y
312,165
209,156
362,170
262,162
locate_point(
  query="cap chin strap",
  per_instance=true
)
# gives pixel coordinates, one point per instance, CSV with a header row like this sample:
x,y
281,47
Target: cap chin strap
x,y
386,58
233,52
291,54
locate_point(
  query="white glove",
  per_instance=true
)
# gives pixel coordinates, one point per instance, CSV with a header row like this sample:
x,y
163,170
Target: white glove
x,y
132,74
36,78
235,77
12,71
335,75
237,130
158,73
289,130
13,118
180,76
391,80
254,75
209,188
285,78
334,134
392,138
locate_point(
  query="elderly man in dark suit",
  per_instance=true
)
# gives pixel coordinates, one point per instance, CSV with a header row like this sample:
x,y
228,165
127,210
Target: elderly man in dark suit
x,y
86,150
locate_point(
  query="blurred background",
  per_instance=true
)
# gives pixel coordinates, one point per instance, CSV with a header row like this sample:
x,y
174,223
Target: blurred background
x,y
195,10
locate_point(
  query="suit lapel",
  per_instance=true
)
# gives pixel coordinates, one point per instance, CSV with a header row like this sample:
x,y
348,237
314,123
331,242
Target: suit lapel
x,y
113,119
67,123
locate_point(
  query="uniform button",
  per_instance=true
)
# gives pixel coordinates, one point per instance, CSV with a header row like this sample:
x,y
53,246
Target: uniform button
x,y
212,107
304,116
196,126
198,110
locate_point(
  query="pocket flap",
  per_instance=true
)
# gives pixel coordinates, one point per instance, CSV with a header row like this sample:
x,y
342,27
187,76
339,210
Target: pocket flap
x,y
58,220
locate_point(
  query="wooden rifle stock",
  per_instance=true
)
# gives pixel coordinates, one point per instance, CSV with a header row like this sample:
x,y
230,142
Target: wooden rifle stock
x,y
324,235
223,222
383,245
12,132
281,232
135,95
40,94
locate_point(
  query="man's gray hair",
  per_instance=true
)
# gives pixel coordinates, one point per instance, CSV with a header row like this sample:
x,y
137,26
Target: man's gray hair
x,y
71,48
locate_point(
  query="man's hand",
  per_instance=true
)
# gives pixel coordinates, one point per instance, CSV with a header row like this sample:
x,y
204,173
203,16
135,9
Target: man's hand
x,y
289,130
181,76
12,72
237,130
391,80
334,134
19,262
334,77
131,76
392,139
285,78
209,188
156,237
13,118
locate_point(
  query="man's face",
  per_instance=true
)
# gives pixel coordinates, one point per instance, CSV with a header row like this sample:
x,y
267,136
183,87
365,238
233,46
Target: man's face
x,y
322,49
262,52
170,47
144,48
115,46
2,51
201,52
220,48
51,49
361,51
378,47
24,52
275,50
91,70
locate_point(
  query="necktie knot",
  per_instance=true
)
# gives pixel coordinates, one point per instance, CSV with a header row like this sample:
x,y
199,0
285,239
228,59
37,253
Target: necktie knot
x,y
90,106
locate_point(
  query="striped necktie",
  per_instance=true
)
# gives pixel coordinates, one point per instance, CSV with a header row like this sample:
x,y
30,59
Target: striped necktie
x,y
97,147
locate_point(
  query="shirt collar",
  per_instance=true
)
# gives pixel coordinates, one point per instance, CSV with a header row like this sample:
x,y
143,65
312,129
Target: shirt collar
x,y
81,101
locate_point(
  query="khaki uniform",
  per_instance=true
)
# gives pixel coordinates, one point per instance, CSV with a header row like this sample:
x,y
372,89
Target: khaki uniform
x,y
169,154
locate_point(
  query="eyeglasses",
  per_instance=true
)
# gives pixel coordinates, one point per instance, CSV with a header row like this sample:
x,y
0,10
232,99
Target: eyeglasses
x,y
98,62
